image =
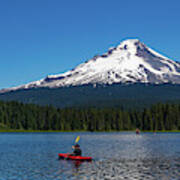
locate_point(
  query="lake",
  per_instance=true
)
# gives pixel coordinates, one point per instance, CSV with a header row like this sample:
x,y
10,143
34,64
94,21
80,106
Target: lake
x,y
124,155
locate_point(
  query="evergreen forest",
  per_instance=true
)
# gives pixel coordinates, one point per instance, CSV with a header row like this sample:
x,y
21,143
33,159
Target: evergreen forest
x,y
19,116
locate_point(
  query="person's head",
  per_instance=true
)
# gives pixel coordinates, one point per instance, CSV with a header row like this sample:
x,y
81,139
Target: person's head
x,y
77,146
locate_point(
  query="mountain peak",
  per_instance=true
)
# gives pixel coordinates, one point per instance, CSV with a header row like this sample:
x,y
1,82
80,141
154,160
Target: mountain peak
x,y
129,42
130,45
131,61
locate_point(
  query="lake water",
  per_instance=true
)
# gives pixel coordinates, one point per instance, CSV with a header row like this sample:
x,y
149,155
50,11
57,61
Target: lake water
x,y
34,156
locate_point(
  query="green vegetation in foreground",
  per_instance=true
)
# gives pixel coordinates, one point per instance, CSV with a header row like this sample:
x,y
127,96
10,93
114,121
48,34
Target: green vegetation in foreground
x,y
20,117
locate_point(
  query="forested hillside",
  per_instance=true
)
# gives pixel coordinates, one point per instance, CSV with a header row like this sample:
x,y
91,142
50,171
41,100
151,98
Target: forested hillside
x,y
129,96
14,115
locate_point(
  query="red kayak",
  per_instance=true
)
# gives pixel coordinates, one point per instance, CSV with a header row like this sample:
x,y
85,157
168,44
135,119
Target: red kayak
x,y
70,157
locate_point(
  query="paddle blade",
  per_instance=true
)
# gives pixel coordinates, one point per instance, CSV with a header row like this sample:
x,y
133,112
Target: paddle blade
x,y
77,139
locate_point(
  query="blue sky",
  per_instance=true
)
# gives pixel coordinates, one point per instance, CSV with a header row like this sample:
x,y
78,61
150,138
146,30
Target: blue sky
x,y
41,37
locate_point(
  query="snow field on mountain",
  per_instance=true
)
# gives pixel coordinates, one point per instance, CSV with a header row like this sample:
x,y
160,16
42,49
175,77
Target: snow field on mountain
x,y
131,61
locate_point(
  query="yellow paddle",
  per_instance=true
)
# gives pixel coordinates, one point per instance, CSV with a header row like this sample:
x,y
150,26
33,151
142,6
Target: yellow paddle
x,y
77,139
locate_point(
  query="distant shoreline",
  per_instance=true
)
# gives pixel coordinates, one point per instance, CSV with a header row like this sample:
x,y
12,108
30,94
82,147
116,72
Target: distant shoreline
x,y
55,131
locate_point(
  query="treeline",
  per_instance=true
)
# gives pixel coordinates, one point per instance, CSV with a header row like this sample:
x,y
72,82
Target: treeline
x,y
14,115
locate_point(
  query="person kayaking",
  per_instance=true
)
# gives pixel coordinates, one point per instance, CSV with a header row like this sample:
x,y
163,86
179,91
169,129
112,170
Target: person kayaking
x,y
77,151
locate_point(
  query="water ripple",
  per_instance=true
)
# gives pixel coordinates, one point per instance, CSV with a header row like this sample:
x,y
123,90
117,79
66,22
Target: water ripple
x,y
116,156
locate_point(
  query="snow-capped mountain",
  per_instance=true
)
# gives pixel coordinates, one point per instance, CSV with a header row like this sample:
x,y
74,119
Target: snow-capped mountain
x,y
129,62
